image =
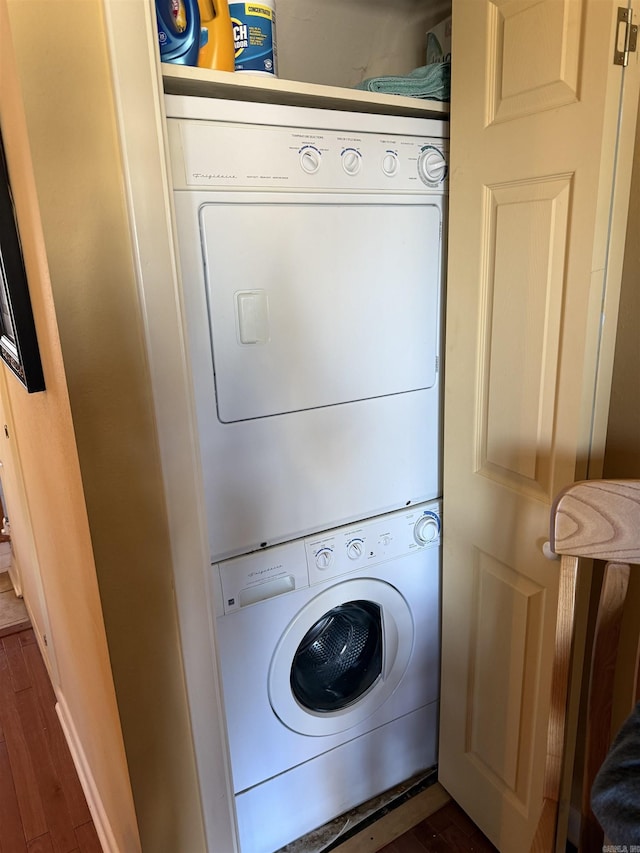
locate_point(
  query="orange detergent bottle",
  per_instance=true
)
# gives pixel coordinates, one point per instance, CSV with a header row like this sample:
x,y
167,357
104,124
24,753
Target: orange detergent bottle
x,y
216,36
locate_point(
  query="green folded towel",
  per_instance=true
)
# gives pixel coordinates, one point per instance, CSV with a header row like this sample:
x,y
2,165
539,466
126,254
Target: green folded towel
x,y
429,81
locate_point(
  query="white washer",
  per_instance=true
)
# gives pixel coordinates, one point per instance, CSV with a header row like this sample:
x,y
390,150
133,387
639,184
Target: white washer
x,y
311,257
329,654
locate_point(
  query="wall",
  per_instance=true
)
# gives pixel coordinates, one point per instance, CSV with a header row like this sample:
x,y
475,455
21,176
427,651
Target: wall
x,y
621,461
65,76
622,456
51,533
340,44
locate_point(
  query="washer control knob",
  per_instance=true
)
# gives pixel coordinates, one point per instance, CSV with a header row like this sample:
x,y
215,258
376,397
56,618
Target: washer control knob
x,y
427,528
390,164
310,160
432,166
324,558
355,549
351,161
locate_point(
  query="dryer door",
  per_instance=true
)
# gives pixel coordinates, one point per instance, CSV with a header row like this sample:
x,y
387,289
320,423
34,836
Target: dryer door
x,y
341,657
317,302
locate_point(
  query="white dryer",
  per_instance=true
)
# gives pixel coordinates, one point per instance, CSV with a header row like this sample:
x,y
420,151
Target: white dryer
x,y
311,257
329,654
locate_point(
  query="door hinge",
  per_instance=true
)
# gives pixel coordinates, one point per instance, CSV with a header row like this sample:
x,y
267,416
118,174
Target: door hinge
x,y
626,37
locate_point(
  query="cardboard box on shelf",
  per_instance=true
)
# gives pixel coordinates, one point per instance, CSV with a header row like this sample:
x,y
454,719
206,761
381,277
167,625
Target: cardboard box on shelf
x,y
439,42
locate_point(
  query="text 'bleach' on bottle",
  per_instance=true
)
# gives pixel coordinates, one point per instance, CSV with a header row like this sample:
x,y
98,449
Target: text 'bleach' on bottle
x,y
254,37
196,32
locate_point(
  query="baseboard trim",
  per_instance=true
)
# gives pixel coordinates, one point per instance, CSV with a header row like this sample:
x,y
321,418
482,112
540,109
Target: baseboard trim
x,y
15,628
94,802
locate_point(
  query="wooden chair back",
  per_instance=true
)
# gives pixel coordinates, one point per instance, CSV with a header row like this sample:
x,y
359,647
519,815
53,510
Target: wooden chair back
x,y
594,520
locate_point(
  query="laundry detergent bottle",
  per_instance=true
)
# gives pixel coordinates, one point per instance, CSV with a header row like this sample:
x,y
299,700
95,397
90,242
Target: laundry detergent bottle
x,y
178,31
216,36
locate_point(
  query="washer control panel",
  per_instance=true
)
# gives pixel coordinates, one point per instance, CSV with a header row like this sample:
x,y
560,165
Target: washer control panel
x,y
280,569
221,154
356,546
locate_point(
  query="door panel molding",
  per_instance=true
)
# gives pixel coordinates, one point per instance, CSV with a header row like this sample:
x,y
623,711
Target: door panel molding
x,y
526,226
502,715
536,50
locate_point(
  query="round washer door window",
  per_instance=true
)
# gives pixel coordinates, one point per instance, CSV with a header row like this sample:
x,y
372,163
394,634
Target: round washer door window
x,y
341,657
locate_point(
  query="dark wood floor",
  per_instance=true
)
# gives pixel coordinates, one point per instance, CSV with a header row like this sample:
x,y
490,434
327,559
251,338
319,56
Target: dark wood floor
x,y
448,830
42,805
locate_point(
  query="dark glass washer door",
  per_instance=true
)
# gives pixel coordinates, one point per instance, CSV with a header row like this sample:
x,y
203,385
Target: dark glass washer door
x,y
339,657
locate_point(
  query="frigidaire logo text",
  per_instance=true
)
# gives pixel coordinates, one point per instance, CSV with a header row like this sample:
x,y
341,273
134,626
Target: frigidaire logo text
x,y
210,176
268,571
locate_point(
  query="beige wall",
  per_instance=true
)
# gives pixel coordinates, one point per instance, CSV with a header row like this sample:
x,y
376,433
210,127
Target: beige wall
x,y
66,84
622,458
340,43
621,461
51,533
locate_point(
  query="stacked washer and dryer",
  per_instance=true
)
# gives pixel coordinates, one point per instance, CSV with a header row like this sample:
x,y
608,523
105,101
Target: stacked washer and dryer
x,y
311,246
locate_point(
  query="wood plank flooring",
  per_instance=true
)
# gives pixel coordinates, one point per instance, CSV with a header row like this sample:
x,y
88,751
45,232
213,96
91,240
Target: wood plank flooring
x,y
404,829
42,806
448,830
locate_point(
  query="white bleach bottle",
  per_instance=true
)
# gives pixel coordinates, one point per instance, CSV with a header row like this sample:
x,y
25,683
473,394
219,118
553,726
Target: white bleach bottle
x,y
254,37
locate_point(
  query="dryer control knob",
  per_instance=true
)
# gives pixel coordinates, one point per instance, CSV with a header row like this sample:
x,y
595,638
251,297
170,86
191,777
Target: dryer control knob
x,y
351,161
432,166
310,160
355,549
426,528
324,558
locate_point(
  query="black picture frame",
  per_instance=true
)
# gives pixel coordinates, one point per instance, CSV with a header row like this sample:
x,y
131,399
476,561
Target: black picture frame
x,y
18,341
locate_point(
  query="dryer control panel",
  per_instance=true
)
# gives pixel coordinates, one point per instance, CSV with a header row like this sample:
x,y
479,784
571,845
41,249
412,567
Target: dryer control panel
x,y
220,155
280,569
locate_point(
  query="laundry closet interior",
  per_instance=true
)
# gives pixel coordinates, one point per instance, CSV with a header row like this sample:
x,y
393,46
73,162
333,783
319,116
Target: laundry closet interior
x,y
310,233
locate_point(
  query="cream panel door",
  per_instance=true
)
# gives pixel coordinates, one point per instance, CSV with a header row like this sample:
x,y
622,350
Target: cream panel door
x,y
534,246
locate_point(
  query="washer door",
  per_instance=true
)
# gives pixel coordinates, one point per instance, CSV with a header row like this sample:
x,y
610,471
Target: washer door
x,y
341,657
